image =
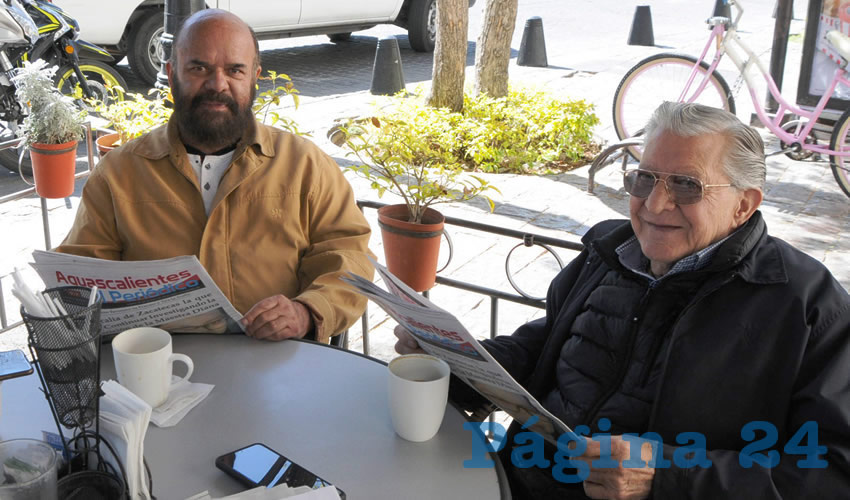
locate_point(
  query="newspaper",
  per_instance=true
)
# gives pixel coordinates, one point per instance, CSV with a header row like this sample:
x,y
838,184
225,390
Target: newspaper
x,y
441,335
177,294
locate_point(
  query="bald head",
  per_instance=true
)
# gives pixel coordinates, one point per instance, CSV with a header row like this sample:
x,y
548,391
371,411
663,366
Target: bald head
x,y
213,76
222,22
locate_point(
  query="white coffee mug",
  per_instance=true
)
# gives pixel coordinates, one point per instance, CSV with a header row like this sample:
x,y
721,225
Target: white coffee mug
x,y
418,391
143,362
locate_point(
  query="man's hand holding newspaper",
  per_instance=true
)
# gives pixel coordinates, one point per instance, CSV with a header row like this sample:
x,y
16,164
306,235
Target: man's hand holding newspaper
x,y
440,334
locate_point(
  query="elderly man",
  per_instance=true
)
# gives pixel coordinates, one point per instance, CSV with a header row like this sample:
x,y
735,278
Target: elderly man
x,y
689,319
268,214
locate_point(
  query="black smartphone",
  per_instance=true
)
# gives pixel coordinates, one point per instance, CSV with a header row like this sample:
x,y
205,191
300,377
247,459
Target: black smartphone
x,y
14,364
259,465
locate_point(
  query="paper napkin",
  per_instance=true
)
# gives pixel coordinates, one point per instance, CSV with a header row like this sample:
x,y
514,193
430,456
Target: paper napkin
x,y
124,421
182,397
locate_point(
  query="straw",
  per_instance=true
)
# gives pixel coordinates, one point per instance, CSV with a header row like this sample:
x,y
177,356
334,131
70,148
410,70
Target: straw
x,y
77,336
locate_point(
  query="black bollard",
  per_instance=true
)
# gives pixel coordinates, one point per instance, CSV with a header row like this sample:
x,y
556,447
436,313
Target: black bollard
x,y
722,9
532,49
387,74
641,33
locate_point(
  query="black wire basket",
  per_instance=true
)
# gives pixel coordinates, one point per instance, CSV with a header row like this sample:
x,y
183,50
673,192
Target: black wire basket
x,y
66,352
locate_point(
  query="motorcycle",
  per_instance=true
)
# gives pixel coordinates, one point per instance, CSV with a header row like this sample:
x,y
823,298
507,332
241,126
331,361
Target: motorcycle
x,y
35,29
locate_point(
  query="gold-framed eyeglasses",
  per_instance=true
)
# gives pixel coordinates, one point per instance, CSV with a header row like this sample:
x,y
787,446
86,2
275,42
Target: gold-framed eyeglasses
x,y
681,189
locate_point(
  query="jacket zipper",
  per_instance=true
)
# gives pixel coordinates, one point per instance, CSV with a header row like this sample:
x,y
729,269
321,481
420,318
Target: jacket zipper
x,y
650,359
706,293
654,351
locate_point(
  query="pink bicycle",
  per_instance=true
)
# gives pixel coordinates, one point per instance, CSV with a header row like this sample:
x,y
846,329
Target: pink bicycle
x,y
682,78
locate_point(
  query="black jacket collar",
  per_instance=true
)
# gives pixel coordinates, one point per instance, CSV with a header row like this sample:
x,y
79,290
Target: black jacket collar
x,y
605,237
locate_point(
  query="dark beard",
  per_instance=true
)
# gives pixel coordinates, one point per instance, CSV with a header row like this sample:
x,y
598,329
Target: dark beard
x,y
211,129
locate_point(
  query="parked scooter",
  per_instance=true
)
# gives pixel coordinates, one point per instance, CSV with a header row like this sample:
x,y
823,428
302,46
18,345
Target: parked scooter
x,y
34,29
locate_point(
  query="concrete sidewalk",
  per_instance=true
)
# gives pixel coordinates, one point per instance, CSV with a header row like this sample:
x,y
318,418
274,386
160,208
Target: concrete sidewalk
x,y
803,204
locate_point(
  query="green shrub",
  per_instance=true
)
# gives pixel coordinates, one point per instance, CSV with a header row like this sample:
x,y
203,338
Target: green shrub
x,y
529,131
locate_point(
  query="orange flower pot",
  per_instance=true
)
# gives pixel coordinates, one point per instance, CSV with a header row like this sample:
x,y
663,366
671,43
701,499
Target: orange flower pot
x,y
53,167
411,250
106,143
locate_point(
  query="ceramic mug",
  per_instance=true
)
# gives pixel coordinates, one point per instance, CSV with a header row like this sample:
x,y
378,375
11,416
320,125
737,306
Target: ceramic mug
x,y
143,362
418,391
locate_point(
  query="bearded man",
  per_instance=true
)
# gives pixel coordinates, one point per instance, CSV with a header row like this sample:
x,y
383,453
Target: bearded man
x,y
268,214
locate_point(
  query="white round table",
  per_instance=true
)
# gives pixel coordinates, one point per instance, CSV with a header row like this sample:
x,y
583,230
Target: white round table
x,y
322,407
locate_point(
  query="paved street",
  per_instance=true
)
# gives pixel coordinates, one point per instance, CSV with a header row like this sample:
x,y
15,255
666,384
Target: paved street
x,y
587,55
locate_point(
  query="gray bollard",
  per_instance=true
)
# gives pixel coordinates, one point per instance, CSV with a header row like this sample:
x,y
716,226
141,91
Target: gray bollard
x,y
641,33
722,9
532,49
387,75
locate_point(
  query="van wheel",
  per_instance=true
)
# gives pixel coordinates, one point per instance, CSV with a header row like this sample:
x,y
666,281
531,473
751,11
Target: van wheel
x,y
145,48
340,37
422,25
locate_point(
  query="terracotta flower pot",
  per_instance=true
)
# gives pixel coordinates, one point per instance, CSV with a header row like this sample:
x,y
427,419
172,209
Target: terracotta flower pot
x,y
53,167
106,143
411,249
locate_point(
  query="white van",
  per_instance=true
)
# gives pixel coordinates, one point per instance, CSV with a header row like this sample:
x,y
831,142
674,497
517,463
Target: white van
x,y
133,27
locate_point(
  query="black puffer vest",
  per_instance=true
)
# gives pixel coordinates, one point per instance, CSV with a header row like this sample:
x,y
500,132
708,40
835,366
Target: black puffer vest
x,y
609,367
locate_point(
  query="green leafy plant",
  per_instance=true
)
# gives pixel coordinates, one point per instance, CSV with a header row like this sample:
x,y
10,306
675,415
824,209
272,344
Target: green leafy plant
x,y
52,118
135,114
420,153
528,131
268,102
398,158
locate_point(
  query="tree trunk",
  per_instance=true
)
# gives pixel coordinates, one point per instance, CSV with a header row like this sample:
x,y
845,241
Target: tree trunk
x,y
450,55
493,51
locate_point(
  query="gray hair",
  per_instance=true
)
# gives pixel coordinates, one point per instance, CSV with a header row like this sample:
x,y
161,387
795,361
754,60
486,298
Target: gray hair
x,y
744,160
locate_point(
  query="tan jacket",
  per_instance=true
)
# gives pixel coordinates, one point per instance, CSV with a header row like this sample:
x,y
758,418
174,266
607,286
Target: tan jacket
x,y
284,220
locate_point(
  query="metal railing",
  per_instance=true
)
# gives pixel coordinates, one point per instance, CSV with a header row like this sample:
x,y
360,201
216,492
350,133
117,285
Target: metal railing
x,y
520,297
45,216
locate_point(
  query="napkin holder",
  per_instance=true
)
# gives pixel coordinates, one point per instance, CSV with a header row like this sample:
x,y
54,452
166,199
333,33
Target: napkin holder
x,y
65,351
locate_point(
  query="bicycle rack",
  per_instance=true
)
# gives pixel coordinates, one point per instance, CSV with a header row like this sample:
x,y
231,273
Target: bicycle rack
x,y
608,156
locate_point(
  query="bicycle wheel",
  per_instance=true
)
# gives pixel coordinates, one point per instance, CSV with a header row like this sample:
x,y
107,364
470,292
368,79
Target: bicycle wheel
x,y
659,78
840,141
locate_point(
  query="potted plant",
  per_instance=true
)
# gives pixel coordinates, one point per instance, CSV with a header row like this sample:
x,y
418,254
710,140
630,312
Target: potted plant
x,y
131,116
400,157
50,130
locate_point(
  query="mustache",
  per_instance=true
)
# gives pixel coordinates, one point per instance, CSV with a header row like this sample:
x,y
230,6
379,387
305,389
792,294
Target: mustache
x,y
214,97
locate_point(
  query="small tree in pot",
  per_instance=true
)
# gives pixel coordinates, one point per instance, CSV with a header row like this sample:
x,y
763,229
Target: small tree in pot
x,y
399,157
131,116
50,130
